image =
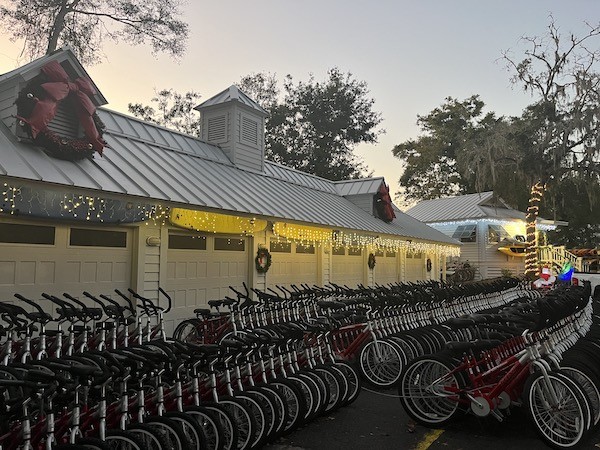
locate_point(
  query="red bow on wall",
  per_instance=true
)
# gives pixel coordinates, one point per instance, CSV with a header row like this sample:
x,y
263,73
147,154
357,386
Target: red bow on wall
x,y
57,89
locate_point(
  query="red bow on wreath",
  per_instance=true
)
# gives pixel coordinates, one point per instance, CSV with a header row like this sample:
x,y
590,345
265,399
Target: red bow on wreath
x,y
57,89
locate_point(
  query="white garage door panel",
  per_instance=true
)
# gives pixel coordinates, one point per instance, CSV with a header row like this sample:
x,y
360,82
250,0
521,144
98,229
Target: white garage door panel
x,y
348,270
196,276
415,269
292,268
31,269
386,270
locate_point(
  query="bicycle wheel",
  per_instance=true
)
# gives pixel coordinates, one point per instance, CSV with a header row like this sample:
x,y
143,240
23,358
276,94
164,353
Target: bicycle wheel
x,y
192,432
336,386
169,429
271,403
210,424
260,413
280,405
149,437
580,372
352,378
189,330
124,440
295,401
429,391
243,421
556,409
380,363
226,422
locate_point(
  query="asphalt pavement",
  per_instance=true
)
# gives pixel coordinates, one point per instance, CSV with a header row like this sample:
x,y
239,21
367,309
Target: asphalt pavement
x,y
377,421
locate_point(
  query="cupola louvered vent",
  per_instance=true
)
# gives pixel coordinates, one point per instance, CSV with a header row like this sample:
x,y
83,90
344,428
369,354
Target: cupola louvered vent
x,y
217,129
249,131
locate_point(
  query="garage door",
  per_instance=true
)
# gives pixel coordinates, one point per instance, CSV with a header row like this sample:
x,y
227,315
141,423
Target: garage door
x,y
42,257
292,264
415,267
348,266
201,268
386,268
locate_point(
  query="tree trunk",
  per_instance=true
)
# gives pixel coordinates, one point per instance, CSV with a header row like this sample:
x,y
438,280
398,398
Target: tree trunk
x,y
59,25
531,257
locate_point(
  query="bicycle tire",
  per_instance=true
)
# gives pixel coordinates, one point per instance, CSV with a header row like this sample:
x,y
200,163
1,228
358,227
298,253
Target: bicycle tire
x,y
295,401
170,429
145,436
227,423
354,381
243,419
426,403
537,396
280,406
192,431
210,424
260,415
380,363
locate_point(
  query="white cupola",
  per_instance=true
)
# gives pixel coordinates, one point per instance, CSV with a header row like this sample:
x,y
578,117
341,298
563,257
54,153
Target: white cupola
x,y
235,123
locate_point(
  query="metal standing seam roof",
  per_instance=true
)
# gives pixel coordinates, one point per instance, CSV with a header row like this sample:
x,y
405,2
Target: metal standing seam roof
x,y
148,161
358,187
451,208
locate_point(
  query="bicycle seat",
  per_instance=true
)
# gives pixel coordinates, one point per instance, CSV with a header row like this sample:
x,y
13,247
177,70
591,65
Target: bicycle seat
x,y
460,322
215,303
202,311
481,344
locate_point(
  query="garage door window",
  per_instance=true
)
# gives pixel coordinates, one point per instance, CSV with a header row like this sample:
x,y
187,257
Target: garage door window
x,y
187,242
339,251
354,251
281,247
83,237
390,254
232,245
12,233
378,252
305,249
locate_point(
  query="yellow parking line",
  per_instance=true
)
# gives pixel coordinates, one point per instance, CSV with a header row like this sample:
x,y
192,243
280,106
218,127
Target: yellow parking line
x,y
429,439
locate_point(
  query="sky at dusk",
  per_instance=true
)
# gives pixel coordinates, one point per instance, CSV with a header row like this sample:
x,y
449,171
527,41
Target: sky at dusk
x,y
412,54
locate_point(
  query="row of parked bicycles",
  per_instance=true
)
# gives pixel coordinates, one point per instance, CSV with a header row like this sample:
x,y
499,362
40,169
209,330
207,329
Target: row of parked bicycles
x,y
108,377
99,371
542,356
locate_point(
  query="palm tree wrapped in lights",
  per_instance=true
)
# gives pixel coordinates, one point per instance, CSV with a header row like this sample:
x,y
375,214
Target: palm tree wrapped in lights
x,y
531,257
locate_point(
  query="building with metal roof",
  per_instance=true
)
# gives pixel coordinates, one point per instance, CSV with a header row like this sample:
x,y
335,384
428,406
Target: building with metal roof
x,y
492,233
158,207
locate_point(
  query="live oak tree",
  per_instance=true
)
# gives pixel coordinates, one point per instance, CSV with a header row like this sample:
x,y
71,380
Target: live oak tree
x,y
560,72
551,148
431,169
45,25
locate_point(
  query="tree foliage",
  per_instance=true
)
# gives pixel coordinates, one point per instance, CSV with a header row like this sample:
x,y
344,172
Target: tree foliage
x,y
317,125
171,110
45,25
431,159
555,139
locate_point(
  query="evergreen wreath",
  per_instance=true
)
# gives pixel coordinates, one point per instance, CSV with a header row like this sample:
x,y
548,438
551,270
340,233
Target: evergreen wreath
x,y
372,261
263,260
429,265
72,149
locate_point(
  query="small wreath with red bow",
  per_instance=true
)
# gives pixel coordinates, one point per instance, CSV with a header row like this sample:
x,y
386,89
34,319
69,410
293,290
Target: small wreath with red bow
x,y
263,260
371,262
38,102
